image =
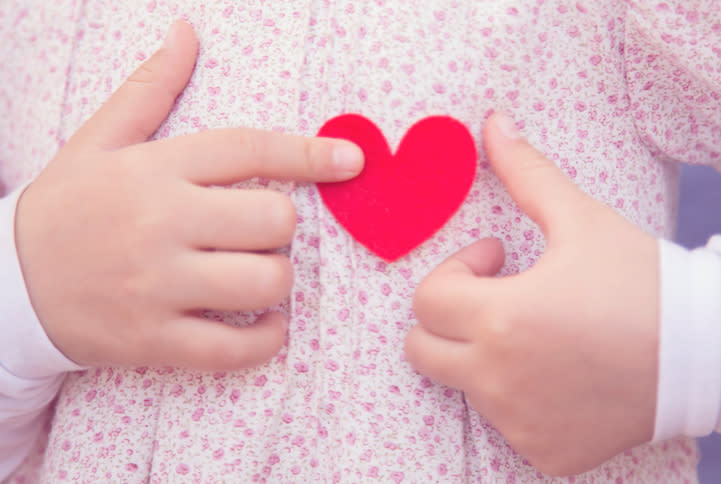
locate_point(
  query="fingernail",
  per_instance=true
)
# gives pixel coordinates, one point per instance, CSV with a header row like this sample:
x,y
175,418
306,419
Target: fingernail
x,y
172,35
347,157
507,126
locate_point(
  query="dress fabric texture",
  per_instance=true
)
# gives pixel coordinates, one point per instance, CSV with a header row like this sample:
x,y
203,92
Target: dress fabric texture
x,y
614,92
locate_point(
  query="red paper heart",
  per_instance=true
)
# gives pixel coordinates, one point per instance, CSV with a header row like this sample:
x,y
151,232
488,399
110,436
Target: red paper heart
x,y
400,200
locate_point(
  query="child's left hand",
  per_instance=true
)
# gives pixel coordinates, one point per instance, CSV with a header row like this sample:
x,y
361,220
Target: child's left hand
x,y
562,358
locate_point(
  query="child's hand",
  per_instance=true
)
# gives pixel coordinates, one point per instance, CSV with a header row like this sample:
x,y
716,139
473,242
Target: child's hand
x,y
121,241
562,358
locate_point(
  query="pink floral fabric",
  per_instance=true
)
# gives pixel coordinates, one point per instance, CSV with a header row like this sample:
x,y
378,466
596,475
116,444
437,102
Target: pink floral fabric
x,y
611,91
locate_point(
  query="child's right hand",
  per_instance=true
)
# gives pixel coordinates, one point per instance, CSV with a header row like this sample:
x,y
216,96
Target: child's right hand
x,y
122,242
562,358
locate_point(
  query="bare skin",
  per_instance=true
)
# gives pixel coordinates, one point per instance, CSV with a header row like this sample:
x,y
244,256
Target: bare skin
x,y
122,241
561,358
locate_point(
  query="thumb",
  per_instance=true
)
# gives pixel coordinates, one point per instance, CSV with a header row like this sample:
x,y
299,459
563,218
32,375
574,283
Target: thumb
x,y
537,185
136,110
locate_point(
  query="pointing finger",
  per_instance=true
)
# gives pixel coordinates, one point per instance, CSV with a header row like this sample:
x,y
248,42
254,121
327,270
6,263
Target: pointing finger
x,y
229,155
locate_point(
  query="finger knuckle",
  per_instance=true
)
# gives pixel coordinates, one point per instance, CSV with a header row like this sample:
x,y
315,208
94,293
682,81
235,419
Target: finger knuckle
x,y
137,284
276,280
411,347
272,343
496,391
425,298
499,328
226,357
309,155
535,162
144,74
283,217
145,334
252,145
148,75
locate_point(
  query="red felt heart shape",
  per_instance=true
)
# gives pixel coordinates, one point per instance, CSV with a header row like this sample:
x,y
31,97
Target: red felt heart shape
x,y
400,200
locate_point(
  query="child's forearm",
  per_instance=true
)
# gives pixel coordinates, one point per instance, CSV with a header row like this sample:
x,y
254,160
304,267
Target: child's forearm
x,y
31,368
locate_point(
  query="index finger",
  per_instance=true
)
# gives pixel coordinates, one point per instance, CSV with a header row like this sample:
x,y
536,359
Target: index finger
x,y
229,155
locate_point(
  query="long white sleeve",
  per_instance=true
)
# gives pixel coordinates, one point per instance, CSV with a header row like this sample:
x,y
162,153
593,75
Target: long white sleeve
x,y
689,380
31,368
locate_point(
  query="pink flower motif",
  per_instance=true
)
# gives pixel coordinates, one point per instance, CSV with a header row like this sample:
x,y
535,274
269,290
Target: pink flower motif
x,y
197,414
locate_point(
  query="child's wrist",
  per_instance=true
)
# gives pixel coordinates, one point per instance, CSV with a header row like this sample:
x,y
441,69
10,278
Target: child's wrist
x,y
25,349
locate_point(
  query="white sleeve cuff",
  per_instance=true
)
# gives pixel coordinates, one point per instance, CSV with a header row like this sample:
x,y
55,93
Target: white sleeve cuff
x,y
25,350
689,371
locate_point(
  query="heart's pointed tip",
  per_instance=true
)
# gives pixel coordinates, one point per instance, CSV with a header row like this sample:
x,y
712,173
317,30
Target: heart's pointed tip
x,y
390,258
392,254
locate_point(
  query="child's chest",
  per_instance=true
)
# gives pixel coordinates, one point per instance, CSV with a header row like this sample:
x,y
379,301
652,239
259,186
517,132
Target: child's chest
x,y
556,66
